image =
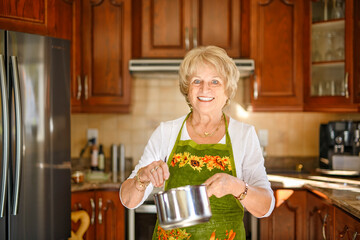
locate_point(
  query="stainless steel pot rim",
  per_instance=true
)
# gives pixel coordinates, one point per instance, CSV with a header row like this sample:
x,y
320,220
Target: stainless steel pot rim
x,y
184,223
183,188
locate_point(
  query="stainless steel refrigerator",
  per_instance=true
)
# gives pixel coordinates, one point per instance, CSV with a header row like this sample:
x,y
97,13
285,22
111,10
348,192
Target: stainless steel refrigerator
x,y
35,137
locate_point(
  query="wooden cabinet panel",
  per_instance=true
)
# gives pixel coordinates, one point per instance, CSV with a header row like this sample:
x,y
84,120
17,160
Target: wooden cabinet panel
x,y
288,218
104,82
24,10
76,86
107,214
346,226
170,28
356,52
320,218
218,22
165,28
112,223
84,201
44,17
277,48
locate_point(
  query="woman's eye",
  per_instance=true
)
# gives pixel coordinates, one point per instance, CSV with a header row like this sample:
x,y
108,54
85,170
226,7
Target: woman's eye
x,y
196,81
215,82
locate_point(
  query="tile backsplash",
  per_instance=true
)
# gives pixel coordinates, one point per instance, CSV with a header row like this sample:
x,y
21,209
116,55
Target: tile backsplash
x,y
157,98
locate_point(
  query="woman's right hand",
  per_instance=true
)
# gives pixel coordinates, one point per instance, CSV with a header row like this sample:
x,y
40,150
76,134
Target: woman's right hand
x,y
156,172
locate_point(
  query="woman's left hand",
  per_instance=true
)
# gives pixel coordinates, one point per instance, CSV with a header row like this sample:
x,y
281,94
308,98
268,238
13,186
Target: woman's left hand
x,y
221,184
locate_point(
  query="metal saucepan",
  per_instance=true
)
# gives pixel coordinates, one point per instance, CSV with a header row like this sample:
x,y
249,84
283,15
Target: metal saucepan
x,y
183,206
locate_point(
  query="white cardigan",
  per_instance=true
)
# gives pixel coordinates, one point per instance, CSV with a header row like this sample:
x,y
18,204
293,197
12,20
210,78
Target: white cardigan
x,y
248,157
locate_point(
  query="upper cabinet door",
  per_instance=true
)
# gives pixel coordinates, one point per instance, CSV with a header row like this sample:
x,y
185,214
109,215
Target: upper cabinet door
x,y
277,48
166,26
106,50
45,17
170,28
217,22
330,29
24,11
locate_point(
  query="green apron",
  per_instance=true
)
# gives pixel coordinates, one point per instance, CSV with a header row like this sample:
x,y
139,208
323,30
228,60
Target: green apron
x,y
192,164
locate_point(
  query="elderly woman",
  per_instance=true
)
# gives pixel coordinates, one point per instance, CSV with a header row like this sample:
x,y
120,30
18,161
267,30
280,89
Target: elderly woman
x,y
206,146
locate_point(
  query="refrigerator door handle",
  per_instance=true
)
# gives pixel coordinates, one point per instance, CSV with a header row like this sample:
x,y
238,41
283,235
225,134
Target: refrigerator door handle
x,y
5,135
18,134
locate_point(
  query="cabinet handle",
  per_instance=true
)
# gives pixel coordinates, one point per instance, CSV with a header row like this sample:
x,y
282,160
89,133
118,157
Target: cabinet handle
x,y
342,234
324,226
255,89
355,235
92,203
86,87
346,228
100,215
346,85
78,206
187,41
79,88
195,42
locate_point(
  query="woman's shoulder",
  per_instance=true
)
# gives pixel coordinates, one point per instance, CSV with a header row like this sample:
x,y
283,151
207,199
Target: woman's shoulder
x,y
239,125
240,132
174,122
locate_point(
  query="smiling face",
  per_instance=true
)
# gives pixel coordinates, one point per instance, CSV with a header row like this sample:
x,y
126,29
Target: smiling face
x,y
207,90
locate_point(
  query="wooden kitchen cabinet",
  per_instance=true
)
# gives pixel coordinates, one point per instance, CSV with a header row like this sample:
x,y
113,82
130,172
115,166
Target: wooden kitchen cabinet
x,y
107,214
101,52
170,28
277,48
288,219
332,82
44,17
84,201
320,218
346,226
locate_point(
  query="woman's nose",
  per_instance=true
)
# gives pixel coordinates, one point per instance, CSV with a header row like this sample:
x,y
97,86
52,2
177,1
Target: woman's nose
x,y
205,87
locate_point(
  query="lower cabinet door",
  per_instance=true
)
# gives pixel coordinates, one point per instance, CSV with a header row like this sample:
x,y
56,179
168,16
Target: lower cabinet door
x,y
110,216
346,226
320,215
288,218
84,200
106,214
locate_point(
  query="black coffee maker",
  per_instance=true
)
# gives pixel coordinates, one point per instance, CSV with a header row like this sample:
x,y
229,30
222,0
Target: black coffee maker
x,y
338,138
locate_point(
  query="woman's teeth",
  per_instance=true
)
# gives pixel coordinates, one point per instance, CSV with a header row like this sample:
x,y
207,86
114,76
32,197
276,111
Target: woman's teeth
x,y
205,98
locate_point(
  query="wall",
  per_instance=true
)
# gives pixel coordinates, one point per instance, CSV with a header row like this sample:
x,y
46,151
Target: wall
x,y
157,98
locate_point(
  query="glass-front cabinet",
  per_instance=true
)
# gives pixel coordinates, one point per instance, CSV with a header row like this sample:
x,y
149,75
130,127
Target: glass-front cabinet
x,y
331,34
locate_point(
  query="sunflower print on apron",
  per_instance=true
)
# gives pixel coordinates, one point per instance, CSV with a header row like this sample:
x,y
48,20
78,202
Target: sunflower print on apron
x,y
192,164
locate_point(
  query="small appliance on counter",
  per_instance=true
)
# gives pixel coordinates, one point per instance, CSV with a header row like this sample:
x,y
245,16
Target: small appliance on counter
x,y
339,148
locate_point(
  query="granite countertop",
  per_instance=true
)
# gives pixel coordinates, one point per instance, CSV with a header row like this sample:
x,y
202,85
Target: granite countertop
x,y
341,192
87,186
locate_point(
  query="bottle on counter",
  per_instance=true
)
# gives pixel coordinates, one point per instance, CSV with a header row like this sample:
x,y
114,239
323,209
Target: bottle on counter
x,y
101,158
94,156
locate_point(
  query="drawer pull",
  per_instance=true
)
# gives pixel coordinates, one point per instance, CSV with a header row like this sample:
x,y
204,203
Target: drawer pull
x,y
86,87
92,219
187,40
100,214
78,96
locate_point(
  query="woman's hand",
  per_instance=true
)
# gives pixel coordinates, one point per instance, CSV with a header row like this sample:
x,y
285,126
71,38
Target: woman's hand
x,y
156,173
221,184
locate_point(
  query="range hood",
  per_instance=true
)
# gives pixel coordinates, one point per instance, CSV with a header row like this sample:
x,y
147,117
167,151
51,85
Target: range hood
x,y
245,66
